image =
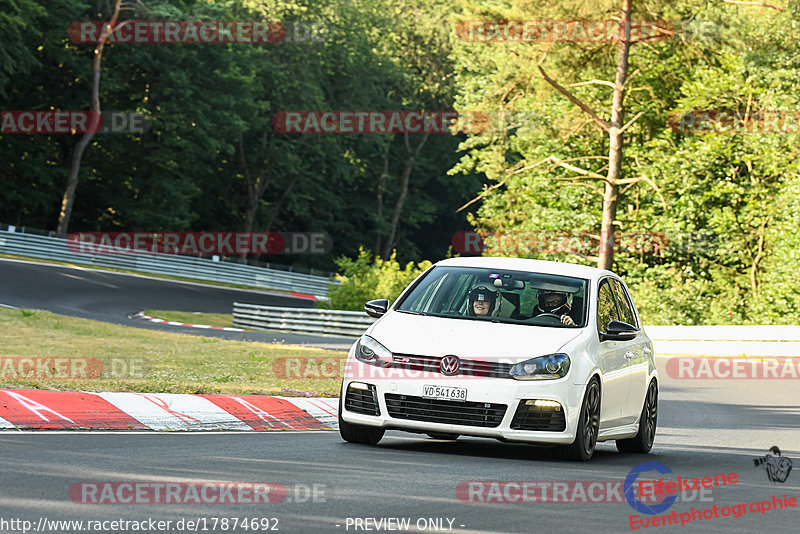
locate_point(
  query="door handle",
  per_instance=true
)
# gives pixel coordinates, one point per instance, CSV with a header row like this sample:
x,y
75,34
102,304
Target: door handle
x,y
629,355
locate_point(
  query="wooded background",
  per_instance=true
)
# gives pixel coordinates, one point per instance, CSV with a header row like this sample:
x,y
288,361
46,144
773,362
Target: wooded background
x,y
211,159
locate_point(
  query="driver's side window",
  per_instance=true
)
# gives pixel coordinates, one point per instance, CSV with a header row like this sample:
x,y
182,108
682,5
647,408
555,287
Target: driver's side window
x,y
606,308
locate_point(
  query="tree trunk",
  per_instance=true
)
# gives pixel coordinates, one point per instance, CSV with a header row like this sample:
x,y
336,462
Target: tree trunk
x,y
408,166
72,180
381,188
276,208
249,218
254,188
762,234
606,256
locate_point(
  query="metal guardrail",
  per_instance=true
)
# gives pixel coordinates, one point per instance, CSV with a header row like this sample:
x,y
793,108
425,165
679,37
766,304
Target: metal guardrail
x,y
759,333
301,320
727,340
54,248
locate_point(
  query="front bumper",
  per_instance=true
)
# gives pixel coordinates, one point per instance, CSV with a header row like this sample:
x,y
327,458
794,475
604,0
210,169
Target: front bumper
x,y
482,392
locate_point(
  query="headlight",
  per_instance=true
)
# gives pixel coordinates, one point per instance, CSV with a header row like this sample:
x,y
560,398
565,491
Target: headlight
x,y
370,351
542,368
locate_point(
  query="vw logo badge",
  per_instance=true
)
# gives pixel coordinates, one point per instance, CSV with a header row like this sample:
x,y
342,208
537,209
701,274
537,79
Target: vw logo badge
x,y
449,365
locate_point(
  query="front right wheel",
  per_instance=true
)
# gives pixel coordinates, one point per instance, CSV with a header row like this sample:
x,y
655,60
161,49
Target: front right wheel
x,y
353,433
642,442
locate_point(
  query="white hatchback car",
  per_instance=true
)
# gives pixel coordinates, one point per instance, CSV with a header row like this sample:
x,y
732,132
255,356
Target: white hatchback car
x,y
506,348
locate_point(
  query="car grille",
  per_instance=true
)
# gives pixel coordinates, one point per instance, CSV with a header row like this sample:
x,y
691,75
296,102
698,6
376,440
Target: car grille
x,y
431,364
362,400
466,413
545,418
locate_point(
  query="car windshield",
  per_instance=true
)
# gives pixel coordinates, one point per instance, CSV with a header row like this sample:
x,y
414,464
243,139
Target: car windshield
x,y
498,295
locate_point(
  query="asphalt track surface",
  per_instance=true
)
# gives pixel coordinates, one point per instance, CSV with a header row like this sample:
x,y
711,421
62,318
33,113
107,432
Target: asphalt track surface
x,y
112,297
706,428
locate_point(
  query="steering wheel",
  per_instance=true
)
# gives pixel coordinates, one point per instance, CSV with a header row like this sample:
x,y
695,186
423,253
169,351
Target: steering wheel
x,y
552,315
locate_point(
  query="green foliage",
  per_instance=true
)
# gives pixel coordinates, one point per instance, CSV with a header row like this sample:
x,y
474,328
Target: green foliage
x,y
366,278
18,27
211,109
734,190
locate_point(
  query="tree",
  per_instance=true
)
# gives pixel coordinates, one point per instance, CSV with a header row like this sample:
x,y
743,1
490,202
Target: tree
x,y
717,201
615,130
17,21
72,179
411,154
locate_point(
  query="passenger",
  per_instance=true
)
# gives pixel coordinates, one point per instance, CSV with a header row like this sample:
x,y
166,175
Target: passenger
x,y
555,303
482,301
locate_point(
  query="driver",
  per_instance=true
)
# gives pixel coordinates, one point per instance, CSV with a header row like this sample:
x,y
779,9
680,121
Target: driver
x,y
554,302
482,301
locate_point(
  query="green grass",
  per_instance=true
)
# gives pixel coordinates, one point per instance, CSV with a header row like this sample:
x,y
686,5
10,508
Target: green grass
x,y
134,359
212,319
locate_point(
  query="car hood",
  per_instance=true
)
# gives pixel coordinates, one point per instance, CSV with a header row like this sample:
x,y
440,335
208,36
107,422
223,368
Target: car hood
x,y
404,333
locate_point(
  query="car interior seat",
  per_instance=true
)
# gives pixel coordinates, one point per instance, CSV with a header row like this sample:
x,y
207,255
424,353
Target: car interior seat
x,y
508,305
576,310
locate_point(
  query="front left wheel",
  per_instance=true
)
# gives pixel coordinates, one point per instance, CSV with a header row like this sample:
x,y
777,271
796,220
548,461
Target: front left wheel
x,y
583,447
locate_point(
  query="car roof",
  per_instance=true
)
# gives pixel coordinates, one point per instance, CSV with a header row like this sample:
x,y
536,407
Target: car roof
x,y
528,265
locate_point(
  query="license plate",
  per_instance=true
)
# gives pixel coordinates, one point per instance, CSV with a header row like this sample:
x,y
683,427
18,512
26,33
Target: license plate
x,y
444,393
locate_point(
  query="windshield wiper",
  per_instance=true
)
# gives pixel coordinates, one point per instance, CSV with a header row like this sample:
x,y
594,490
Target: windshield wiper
x,y
413,312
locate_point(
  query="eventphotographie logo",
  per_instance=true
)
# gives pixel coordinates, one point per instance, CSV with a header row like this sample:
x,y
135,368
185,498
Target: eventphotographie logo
x,y
777,467
630,484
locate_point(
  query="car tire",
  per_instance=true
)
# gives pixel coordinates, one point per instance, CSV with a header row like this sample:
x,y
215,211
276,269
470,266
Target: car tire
x,y
443,435
642,442
585,442
354,433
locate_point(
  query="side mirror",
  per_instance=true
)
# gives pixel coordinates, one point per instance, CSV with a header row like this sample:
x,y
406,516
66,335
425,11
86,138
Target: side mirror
x,y
618,331
376,308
